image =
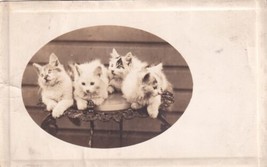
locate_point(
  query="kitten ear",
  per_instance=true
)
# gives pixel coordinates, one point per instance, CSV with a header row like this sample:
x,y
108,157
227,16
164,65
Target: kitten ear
x,y
146,78
53,60
37,67
128,58
114,53
98,71
77,69
159,67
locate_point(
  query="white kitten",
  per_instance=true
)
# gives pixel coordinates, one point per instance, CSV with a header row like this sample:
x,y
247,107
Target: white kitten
x,y
90,83
144,88
119,67
56,86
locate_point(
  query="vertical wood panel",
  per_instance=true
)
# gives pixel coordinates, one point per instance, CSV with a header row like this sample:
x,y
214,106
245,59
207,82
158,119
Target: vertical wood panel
x,y
110,34
82,52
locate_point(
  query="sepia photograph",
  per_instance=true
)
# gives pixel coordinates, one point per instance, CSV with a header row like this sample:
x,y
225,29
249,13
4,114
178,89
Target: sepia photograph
x,y
106,86
133,83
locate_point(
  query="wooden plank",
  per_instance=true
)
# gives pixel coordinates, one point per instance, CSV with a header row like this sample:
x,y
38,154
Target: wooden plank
x,y
104,139
84,52
109,140
172,117
30,76
38,115
74,138
31,98
182,99
110,33
134,125
179,77
149,124
142,124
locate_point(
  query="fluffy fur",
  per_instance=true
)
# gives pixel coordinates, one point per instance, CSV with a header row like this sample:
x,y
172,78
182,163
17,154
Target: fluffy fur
x,y
119,67
144,88
90,83
56,86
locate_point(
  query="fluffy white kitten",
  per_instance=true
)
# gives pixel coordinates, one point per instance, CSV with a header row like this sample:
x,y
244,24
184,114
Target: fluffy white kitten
x,y
144,88
119,67
90,83
56,86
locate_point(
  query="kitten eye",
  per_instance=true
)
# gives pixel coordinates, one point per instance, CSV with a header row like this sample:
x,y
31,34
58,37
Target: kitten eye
x,y
83,83
155,87
92,83
119,66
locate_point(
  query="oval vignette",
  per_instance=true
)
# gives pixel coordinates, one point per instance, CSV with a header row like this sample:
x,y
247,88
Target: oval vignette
x,y
87,44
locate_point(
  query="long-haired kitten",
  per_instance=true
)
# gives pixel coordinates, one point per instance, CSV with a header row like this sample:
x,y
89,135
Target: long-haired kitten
x,y
144,88
56,86
90,83
119,67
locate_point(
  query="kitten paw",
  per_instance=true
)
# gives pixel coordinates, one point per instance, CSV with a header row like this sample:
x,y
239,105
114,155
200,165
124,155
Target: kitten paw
x,y
98,101
153,114
140,98
57,113
81,105
51,105
136,106
105,95
110,89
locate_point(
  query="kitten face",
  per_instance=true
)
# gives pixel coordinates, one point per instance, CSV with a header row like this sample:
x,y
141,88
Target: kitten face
x,y
119,65
89,82
49,74
152,81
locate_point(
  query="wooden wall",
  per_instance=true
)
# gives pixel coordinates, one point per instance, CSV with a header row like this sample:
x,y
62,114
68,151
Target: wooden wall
x,y
97,42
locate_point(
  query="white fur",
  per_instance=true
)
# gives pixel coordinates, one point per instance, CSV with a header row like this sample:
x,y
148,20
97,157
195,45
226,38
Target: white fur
x,y
87,74
116,77
57,93
133,89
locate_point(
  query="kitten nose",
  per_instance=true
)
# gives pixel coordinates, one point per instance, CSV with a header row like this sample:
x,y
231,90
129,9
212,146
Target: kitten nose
x,y
45,77
87,91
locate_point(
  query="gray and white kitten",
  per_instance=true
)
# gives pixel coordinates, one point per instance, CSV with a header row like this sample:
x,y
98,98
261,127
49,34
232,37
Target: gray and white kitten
x,y
56,86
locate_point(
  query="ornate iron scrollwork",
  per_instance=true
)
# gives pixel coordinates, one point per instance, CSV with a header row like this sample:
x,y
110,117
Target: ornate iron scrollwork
x,y
91,115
